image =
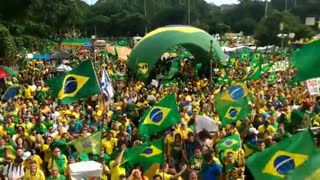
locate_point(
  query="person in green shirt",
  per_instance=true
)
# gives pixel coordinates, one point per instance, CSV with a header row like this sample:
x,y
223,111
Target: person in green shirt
x,y
55,174
195,162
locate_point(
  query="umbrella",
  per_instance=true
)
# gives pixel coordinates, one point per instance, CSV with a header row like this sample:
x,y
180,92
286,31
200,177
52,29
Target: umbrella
x,y
11,92
6,71
61,55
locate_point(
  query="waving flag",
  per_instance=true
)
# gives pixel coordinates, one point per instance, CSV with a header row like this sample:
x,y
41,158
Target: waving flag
x,y
148,153
230,142
235,92
106,85
80,82
89,144
162,115
308,171
232,104
280,159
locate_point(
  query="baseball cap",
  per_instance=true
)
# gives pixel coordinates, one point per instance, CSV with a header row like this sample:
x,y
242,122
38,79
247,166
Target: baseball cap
x,y
253,130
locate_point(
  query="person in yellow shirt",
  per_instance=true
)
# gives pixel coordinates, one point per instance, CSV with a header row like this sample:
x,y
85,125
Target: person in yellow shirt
x,y
266,129
169,139
184,130
116,170
109,143
28,92
34,172
163,172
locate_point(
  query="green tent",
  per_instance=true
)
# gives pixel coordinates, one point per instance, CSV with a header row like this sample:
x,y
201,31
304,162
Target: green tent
x,y
151,47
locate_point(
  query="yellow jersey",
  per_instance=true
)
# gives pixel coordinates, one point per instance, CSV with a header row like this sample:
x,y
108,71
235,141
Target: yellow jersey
x,y
39,175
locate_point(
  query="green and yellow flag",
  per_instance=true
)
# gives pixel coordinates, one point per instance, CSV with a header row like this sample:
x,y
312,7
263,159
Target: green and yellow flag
x,y
254,72
229,142
256,57
278,160
162,115
147,154
306,61
232,104
244,54
310,170
80,82
234,93
232,59
89,144
249,149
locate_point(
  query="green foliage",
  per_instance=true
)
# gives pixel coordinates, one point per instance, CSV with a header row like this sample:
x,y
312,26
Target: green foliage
x,y
7,47
36,20
268,28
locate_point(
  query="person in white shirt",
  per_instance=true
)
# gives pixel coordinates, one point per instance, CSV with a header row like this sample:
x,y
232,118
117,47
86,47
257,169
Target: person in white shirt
x,y
14,171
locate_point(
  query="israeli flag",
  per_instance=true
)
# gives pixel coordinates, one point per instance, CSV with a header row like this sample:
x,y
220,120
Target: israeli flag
x,y
106,85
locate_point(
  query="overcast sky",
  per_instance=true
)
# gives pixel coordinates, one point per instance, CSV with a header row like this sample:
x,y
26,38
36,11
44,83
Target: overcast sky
x,y
217,2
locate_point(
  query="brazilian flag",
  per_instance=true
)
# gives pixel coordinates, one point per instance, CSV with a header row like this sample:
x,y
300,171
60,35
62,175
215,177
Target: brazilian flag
x,y
310,170
254,72
232,59
244,55
232,104
162,115
249,149
147,154
89,144
278,160
80,82
229,142
256,57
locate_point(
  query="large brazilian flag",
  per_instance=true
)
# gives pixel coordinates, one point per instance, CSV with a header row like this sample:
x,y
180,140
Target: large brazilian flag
x,y
80,82
152,46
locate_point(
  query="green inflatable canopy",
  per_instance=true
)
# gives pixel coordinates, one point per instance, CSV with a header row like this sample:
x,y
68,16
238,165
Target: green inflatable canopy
x,y
153,45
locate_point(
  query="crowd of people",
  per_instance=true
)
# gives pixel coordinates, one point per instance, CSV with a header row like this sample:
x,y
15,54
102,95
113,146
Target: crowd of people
x,y
33,124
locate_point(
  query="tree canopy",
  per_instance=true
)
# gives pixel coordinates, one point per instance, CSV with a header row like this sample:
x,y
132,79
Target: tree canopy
x,y
31,22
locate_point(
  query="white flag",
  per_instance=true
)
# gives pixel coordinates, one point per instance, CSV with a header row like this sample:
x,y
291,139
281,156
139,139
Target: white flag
x,y
106,85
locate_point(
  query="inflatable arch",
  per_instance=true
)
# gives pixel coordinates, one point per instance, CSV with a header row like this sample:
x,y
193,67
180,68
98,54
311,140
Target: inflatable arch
x,y
152,46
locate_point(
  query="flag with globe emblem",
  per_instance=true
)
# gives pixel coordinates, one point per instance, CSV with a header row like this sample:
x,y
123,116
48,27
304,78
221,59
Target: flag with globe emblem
x,y
232,104
229,142
162,115
147,154
310,170
89,144
80,82
280,159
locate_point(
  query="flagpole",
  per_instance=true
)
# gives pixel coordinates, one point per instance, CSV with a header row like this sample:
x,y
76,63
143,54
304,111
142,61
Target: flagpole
x,y
102,124
211,68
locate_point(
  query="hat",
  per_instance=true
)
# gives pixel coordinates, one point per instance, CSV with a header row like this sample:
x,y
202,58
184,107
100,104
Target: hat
x,y
26,155
265,115
253,130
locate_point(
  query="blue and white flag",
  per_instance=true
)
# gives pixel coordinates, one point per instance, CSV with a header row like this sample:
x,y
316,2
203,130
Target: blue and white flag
x,y
106,85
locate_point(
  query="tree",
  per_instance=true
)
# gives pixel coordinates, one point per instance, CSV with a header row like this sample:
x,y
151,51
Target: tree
x,y
7,47
268,28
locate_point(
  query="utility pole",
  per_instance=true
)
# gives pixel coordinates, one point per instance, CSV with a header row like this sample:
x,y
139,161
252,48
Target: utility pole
x,y
189,13
286,5
266,9
145,15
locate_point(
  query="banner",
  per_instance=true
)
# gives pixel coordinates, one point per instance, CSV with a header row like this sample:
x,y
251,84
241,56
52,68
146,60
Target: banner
x,y
313,86
277,66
